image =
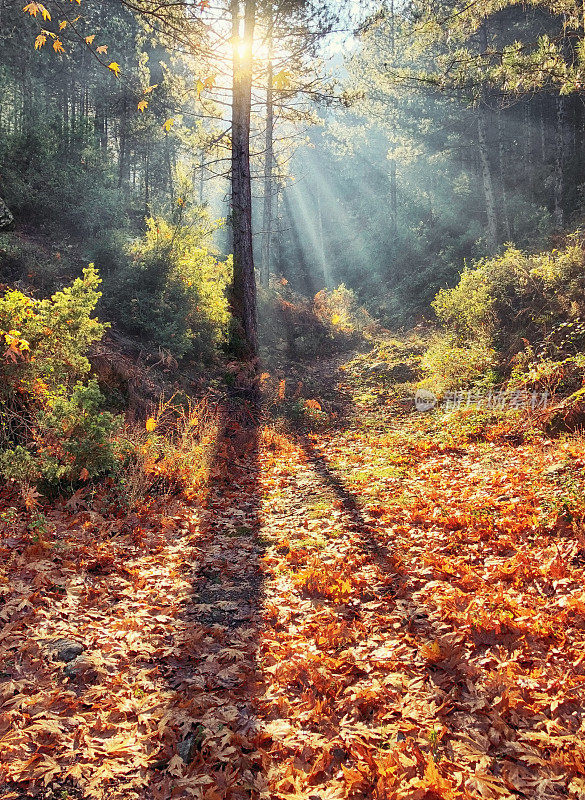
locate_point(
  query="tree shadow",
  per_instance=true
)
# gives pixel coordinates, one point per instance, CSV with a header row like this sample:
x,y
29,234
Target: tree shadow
x,y
211,671
448,660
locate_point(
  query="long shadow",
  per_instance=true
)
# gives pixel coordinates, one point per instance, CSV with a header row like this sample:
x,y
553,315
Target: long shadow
x,y
446,658
211,673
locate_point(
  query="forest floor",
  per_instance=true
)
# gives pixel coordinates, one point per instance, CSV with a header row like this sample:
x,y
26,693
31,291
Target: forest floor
x,y
363,602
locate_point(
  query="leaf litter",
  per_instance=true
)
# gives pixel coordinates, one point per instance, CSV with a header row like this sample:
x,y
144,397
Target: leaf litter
x,y
353,611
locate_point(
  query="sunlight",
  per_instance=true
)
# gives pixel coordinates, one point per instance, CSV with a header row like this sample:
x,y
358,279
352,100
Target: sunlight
x,y
292,369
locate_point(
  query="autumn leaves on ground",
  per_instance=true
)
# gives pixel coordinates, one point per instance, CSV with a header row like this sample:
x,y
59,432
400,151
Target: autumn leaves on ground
x,y
356,601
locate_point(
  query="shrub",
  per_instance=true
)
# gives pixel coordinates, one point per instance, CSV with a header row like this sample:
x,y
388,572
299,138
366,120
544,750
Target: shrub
x,y
517,315
172,290
450,365
340,309
515,296
291,323
52,429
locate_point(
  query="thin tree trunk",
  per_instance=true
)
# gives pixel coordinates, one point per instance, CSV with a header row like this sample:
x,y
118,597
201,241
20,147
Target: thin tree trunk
x,y
559,173
122,151
243,294
393,197
487,180
201,179
268,188
321,243
503,189
146,185
393,185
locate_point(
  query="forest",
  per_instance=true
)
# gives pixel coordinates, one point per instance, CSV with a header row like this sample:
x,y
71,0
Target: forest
x,y
292,399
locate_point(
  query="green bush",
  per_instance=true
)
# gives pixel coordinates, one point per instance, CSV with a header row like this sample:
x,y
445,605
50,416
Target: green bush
x,y
172,290
516,315
60,186
515,297
449,365
52,426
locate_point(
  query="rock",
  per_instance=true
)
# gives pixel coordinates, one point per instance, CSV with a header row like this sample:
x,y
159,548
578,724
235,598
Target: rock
x,y
84,667
403,373
191,744
66,649
6,218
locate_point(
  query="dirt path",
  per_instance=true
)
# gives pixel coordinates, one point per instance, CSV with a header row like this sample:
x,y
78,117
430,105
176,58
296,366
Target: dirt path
x,y
357,609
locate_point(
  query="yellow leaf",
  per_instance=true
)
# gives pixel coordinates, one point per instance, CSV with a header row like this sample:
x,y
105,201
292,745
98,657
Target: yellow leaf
x,y
200,88
281,80
34,8
62,24
432,652
209,82
89,39
168,124
150,88
58,46
115,67
150,424
103,48
40,41
143,105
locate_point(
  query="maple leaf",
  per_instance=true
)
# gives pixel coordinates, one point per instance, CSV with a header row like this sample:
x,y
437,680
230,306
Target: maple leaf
x,y
281,80
115,67
150,424
63,24
200,87
89,39
30,497
142,106
150,89
35,8
58,46
103,48
40,41
168,124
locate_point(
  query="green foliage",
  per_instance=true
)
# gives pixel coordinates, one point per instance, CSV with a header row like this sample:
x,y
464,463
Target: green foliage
x,y
515,297
58,186
449,365
172,289
516,316
53,429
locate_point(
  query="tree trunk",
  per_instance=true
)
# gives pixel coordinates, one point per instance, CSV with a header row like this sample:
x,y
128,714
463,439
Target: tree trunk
x,y
559,173
323,263
393,198
243,293
503,188
393,187
487,180
268,188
